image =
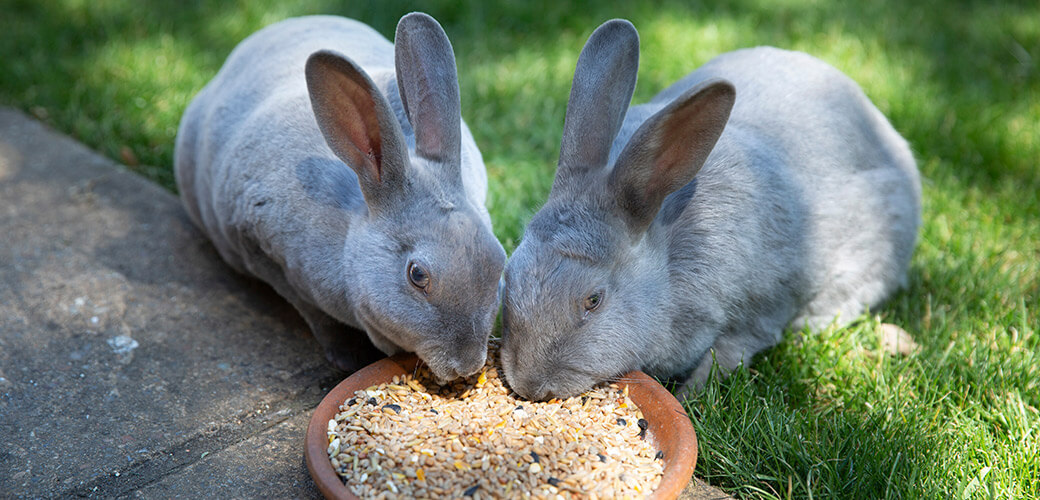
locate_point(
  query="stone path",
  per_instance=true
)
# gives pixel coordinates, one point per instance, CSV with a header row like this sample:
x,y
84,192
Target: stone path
x,y
133,362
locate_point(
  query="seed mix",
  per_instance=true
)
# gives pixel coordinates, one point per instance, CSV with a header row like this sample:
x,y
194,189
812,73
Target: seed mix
x,y
474,438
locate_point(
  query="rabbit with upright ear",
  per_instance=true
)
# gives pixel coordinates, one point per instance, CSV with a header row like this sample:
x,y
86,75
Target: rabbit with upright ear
x,y
760,191
335,166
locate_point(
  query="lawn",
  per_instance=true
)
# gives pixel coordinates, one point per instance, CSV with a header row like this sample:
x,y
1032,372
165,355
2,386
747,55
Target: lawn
x,y
830,416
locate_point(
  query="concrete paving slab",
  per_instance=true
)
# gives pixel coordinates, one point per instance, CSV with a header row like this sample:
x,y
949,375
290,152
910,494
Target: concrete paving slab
x,y
122,335
267,465
133,361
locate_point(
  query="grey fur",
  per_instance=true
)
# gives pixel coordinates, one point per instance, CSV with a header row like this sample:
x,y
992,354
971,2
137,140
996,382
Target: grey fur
x,y
804,209
299,160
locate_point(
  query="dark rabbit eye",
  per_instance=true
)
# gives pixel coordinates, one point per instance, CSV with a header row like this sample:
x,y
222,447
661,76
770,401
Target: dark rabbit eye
x,y
593,301
418,276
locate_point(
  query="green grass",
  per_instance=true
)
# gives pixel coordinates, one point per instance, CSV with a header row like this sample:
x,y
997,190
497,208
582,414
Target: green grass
x,y
830,416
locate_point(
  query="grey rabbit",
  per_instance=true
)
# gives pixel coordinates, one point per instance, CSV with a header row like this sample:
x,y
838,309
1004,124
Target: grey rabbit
x,y
335,166
760,191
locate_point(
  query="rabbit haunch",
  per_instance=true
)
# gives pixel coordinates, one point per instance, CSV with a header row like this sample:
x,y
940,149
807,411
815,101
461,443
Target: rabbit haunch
x,y
761,191
335,166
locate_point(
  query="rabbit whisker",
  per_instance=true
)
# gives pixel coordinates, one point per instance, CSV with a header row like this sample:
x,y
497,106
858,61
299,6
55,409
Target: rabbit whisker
x,y
418,365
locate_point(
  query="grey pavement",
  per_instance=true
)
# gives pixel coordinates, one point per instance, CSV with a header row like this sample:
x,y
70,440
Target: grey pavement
x,y
133,362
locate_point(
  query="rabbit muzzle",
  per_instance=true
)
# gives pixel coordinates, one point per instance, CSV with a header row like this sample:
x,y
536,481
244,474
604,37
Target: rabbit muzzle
x,y
455,360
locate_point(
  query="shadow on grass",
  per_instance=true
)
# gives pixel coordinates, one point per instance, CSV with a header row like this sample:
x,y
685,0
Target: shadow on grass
x,y
972,65
973,72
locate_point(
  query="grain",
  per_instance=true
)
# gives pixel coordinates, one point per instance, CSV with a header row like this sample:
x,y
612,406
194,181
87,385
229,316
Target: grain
x,y
473,438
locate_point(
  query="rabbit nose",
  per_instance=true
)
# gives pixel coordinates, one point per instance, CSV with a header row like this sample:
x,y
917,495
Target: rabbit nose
x,y
469,361
534,390
465,368
469,355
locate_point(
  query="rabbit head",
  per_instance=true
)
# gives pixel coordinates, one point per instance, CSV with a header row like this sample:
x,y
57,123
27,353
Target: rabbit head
x,y
586,293
425,261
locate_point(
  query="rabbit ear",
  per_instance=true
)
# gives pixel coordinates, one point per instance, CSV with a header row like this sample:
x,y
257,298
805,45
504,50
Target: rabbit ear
x,y
604,79
429,88
358,124
668,150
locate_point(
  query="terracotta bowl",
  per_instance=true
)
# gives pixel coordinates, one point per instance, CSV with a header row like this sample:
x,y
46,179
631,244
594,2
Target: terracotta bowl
x,y
669,425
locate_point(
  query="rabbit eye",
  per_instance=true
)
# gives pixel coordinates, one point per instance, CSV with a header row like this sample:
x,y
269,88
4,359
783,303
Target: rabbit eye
x,y
593,301
418,276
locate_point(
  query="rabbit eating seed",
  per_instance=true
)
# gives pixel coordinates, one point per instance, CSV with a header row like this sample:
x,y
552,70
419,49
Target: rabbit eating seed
x,y
335,166
761,191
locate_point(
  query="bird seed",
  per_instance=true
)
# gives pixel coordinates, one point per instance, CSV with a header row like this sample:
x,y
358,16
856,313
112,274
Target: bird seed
x,y
474,438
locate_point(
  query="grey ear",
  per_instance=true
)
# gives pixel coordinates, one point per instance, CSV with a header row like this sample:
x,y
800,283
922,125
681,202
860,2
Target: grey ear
x,y
604,79
429,88
668,150
358,124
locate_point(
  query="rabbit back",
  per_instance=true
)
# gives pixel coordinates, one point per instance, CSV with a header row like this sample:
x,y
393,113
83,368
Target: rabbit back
x,y
807,208
854,174
251,125
255,172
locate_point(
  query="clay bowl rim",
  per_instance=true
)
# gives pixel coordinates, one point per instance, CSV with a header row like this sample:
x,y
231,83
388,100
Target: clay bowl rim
x,y
668,423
